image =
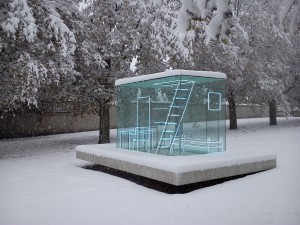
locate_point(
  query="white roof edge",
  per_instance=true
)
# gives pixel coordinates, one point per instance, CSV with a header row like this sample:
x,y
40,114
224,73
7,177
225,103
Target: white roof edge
x,y
169,73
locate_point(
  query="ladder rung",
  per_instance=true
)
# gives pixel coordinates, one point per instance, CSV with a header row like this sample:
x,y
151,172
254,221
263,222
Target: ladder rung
x,y
174,115
166,139
186,83
176,106
159,108
171,123
182,89
169,131
164,147
179,98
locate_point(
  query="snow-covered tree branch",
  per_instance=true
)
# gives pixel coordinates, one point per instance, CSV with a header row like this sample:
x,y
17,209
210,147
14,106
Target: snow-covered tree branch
x,y
38,44
215,16
290,16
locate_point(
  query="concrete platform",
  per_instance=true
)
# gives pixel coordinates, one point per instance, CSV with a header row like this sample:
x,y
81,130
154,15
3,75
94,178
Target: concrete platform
x,y
177,170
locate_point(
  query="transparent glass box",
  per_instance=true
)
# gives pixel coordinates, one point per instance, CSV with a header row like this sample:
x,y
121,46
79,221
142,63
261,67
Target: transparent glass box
x,y
177,112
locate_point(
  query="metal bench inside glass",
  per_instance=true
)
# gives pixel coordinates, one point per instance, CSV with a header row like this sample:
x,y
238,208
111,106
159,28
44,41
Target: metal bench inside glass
x,y
176,112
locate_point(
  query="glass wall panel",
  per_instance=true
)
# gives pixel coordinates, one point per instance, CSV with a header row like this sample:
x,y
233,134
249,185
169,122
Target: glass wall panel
x,y
175,115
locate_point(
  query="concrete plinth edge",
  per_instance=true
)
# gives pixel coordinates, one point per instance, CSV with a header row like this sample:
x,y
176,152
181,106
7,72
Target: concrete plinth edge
x,y
177,170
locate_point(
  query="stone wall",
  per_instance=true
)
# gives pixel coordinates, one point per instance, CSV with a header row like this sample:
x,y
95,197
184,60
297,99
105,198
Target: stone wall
x,y
34,124
246,111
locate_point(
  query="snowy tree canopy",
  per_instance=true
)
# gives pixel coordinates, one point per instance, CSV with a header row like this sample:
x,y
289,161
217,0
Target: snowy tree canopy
x,y
20,15
217,16
46,43
267,73
38,45
112,27
176,26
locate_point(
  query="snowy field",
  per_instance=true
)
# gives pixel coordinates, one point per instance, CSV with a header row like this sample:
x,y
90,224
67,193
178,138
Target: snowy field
x,y
41,182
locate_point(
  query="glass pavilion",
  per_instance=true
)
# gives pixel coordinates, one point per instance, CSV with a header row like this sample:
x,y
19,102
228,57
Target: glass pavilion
x,y
177,112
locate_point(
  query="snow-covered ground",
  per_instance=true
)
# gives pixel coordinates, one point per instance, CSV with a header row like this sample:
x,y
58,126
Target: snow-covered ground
x,y
41,182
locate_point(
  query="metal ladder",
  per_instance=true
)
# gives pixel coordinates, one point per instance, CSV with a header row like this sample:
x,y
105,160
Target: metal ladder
x,y
173,123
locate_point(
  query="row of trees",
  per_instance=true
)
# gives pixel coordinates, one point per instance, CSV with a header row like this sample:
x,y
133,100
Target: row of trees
x,y
56,51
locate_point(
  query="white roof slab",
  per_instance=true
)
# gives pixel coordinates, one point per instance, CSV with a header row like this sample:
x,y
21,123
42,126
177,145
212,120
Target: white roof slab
x,y
170,73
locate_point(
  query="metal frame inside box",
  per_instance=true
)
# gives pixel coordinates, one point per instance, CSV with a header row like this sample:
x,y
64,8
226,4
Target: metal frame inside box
x,y
176,112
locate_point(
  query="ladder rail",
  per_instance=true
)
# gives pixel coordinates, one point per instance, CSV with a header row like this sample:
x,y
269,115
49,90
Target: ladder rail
x,y
137,118
168,117
182,115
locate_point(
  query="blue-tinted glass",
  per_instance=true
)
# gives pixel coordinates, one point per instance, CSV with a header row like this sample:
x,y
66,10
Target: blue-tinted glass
x,y
178,115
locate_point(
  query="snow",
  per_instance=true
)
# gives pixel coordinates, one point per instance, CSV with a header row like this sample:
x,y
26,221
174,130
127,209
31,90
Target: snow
x,y
41,182
170,73
295,14
295,21
21,15
133,63
218,24
191,8
62,34
284,11
215,16
83,5
183,21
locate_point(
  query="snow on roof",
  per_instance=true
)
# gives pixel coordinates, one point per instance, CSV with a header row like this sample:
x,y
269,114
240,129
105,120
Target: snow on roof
x,y
170,73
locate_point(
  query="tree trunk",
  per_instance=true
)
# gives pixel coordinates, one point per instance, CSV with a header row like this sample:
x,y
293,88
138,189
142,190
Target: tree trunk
x,y
232,111
104,132
273,112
